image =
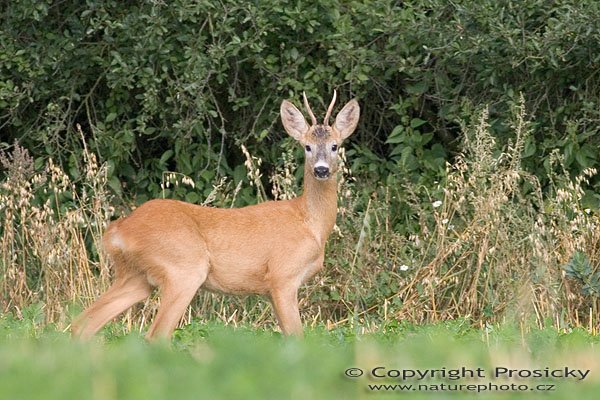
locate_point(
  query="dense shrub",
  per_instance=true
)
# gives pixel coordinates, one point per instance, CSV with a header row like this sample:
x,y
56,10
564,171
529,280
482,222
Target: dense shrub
x,y
180,85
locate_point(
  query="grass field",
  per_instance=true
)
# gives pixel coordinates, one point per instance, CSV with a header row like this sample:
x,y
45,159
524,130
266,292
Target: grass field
x,y
216,361
485,246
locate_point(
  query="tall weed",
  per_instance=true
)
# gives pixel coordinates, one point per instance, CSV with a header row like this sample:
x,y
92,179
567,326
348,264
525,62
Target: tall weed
x,y
487,244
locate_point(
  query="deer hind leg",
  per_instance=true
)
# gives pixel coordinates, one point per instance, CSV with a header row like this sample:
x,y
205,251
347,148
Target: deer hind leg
x,y
124,292
177,292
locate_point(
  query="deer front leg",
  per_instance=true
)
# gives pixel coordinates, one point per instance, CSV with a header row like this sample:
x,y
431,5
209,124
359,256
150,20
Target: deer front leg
x,y
285,303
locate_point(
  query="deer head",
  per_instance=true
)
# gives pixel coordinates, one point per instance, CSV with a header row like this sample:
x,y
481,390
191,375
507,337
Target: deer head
x,y
321,141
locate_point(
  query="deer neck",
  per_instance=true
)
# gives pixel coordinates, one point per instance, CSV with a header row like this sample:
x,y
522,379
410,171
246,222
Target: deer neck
x,y
320,201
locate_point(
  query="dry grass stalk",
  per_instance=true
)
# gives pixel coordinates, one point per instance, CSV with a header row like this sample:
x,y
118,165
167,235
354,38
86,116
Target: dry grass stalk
x,y
52,224
486,249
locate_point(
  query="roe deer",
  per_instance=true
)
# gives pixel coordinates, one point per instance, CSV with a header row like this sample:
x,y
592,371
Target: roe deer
x,y
269,248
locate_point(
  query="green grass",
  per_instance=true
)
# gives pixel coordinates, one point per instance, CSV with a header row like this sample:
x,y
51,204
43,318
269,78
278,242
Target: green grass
x,y
215,361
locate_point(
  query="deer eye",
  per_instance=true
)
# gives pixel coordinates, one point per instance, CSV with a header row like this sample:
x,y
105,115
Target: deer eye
x,y
307,148
334,147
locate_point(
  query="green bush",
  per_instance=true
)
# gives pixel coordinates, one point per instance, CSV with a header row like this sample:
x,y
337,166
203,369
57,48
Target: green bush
x,y
180,86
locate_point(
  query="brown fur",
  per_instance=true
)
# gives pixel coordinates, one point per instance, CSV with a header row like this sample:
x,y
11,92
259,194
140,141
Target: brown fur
x,y
269,248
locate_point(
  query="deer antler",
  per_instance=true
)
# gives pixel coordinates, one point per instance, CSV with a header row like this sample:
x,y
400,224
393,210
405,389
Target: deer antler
x,y
307,106
330,109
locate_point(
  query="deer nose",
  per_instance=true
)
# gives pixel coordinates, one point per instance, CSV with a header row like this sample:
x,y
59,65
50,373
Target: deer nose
x,y
321,172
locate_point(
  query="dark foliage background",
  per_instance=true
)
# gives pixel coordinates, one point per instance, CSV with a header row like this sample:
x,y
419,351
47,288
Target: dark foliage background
x,y
180,85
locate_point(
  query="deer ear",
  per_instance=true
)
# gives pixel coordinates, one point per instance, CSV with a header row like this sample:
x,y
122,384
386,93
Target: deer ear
x,y
347,119
293,120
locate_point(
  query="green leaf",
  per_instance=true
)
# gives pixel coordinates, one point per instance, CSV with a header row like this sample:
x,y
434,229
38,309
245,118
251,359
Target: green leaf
x,y
111,117
166,156
417,88
396,136
581,159
417,122
579,266
115,184
529,148
192,197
